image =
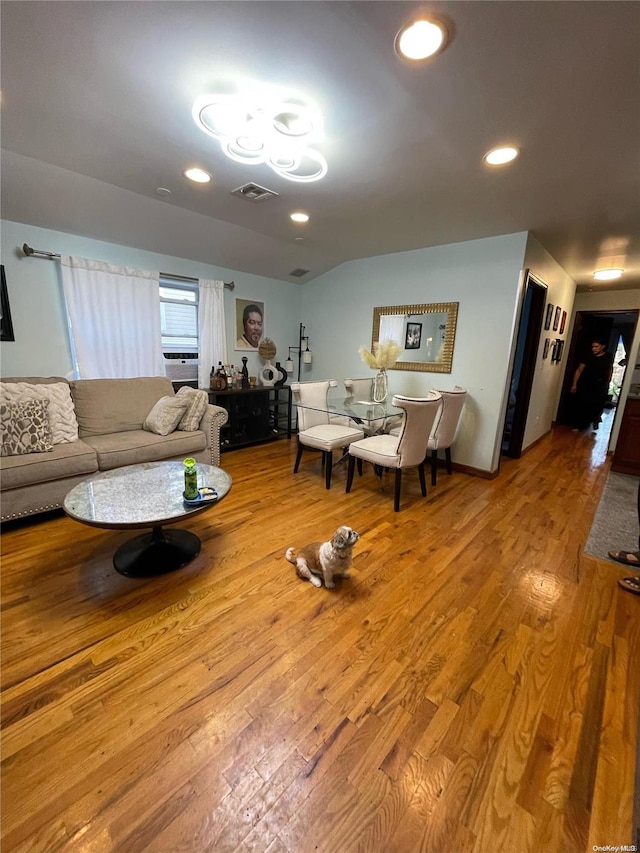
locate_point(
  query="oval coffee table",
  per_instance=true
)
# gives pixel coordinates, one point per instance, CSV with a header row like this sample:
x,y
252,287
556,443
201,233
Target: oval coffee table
x,y
145,495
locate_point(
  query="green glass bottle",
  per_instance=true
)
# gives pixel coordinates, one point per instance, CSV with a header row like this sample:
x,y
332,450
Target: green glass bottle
x,y
190,479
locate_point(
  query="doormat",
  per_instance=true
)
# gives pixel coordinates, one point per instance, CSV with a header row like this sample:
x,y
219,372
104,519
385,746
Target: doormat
x,y
615,526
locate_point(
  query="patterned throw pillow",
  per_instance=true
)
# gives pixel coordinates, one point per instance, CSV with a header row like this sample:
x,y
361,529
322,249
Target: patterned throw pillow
x,y
165,415
25,428
62,414
198,402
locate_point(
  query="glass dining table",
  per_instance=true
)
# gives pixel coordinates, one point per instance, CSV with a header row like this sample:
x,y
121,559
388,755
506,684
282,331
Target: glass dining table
x,y
366,413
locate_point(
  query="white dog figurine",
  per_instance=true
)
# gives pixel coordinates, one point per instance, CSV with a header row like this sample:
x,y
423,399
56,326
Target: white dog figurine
x,y
326,560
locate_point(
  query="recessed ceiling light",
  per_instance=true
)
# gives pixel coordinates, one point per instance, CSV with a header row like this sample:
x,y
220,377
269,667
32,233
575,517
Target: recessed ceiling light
x,y
163,191
197,175
500,156
421,39
299,216
607,275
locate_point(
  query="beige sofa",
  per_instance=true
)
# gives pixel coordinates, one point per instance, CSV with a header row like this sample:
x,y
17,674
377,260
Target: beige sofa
x,y
109,414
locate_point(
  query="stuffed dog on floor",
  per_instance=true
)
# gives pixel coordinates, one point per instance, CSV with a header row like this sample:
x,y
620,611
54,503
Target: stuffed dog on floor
x,y
325,560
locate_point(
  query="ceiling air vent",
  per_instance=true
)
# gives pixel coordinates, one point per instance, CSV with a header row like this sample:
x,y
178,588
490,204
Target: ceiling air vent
x,y
254,192
298,272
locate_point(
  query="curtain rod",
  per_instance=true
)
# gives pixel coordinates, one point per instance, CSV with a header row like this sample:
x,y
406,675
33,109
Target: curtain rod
x,y
52,256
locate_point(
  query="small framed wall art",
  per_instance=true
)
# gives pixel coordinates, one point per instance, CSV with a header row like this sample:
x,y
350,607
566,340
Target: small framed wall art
x,y
556,318
563,322
413,337
545,351
547,318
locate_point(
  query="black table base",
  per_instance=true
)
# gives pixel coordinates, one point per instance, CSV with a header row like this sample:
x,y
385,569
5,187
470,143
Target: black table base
x,y
156,553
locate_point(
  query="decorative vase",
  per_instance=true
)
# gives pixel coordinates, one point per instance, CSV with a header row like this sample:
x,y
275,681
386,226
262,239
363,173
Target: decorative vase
x,y
380,386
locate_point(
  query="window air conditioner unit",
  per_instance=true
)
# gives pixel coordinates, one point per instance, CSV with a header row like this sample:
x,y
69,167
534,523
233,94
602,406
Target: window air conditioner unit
x,y
181,369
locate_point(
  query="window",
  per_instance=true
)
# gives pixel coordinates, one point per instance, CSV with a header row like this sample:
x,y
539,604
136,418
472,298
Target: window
x,y
178,315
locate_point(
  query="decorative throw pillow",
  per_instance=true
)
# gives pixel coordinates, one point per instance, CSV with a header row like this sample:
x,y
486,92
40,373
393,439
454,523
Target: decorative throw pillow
x,y
62,415
165,415
25,428
197,406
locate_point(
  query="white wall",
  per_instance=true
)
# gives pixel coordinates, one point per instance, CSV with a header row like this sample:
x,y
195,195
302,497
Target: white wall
x,y
613,300
547,380
41,346
482,275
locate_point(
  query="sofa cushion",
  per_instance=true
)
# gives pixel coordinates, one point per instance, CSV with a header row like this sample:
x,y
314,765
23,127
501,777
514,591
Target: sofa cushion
x,y
197,406
61,414
65,460
129,448
165,415
24,427
116,405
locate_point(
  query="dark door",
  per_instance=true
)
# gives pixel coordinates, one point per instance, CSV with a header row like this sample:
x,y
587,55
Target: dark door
x,y
524,366
589,325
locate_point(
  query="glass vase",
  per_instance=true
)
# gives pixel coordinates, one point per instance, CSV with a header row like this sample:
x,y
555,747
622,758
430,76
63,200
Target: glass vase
x,y
380,386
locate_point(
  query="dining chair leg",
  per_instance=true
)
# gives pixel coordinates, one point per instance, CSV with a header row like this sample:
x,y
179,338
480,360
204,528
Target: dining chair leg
x,y
350,469
359,461
423,482
298,458
434,467
396,491
447,453
328,465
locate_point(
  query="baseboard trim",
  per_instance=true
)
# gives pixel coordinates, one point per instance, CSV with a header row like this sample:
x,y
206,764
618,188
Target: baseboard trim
x,y
475,472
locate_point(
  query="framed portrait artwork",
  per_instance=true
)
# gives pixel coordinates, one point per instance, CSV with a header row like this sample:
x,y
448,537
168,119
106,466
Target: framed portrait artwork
x,y
563,322
547,317
556,318
413,337
6,325
545,351
249,324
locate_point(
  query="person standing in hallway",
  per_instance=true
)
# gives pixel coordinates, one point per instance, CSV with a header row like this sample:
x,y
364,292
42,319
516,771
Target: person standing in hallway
x,y
591,386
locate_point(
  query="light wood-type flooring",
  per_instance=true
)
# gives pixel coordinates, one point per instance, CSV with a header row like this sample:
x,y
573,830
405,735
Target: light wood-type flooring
x,y
473,687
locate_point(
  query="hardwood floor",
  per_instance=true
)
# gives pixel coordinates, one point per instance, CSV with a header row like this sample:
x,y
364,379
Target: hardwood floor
x,y
473,687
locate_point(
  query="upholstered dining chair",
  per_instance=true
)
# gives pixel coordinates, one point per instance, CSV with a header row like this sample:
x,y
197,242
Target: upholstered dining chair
x,y
444,431
314,429
406,450
444,428
358,389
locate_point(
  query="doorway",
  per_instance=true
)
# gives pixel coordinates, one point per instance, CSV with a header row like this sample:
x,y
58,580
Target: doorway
x,y
524,366
617,328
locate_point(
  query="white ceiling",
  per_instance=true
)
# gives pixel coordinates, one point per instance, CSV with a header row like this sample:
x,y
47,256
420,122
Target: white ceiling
x,y
96,114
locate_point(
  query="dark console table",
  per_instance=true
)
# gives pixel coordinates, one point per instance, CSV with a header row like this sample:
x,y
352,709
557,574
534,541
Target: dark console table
x,y
255,414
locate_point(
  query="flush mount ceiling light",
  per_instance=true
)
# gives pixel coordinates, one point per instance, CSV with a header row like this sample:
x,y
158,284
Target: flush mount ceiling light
x,y
265,125
197,175
299,216
500,156
607,275
421,39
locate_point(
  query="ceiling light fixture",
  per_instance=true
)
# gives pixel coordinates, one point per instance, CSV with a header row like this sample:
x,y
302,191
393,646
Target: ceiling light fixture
x,y
421,39
299,216
502,155
199,176
607,275
264,125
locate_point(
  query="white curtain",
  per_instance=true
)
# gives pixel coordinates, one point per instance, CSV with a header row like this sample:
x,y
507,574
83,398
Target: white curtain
x,y
212,336
392,327
114,319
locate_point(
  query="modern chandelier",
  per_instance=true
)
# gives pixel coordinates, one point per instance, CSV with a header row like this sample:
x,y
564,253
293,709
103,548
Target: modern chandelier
x,y
261,125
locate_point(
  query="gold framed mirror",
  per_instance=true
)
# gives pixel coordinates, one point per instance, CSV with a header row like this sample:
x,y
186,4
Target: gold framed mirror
x,y
426,334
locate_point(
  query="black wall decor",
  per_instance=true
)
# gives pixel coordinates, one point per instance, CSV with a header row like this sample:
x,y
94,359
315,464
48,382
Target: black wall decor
x,y
6,326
